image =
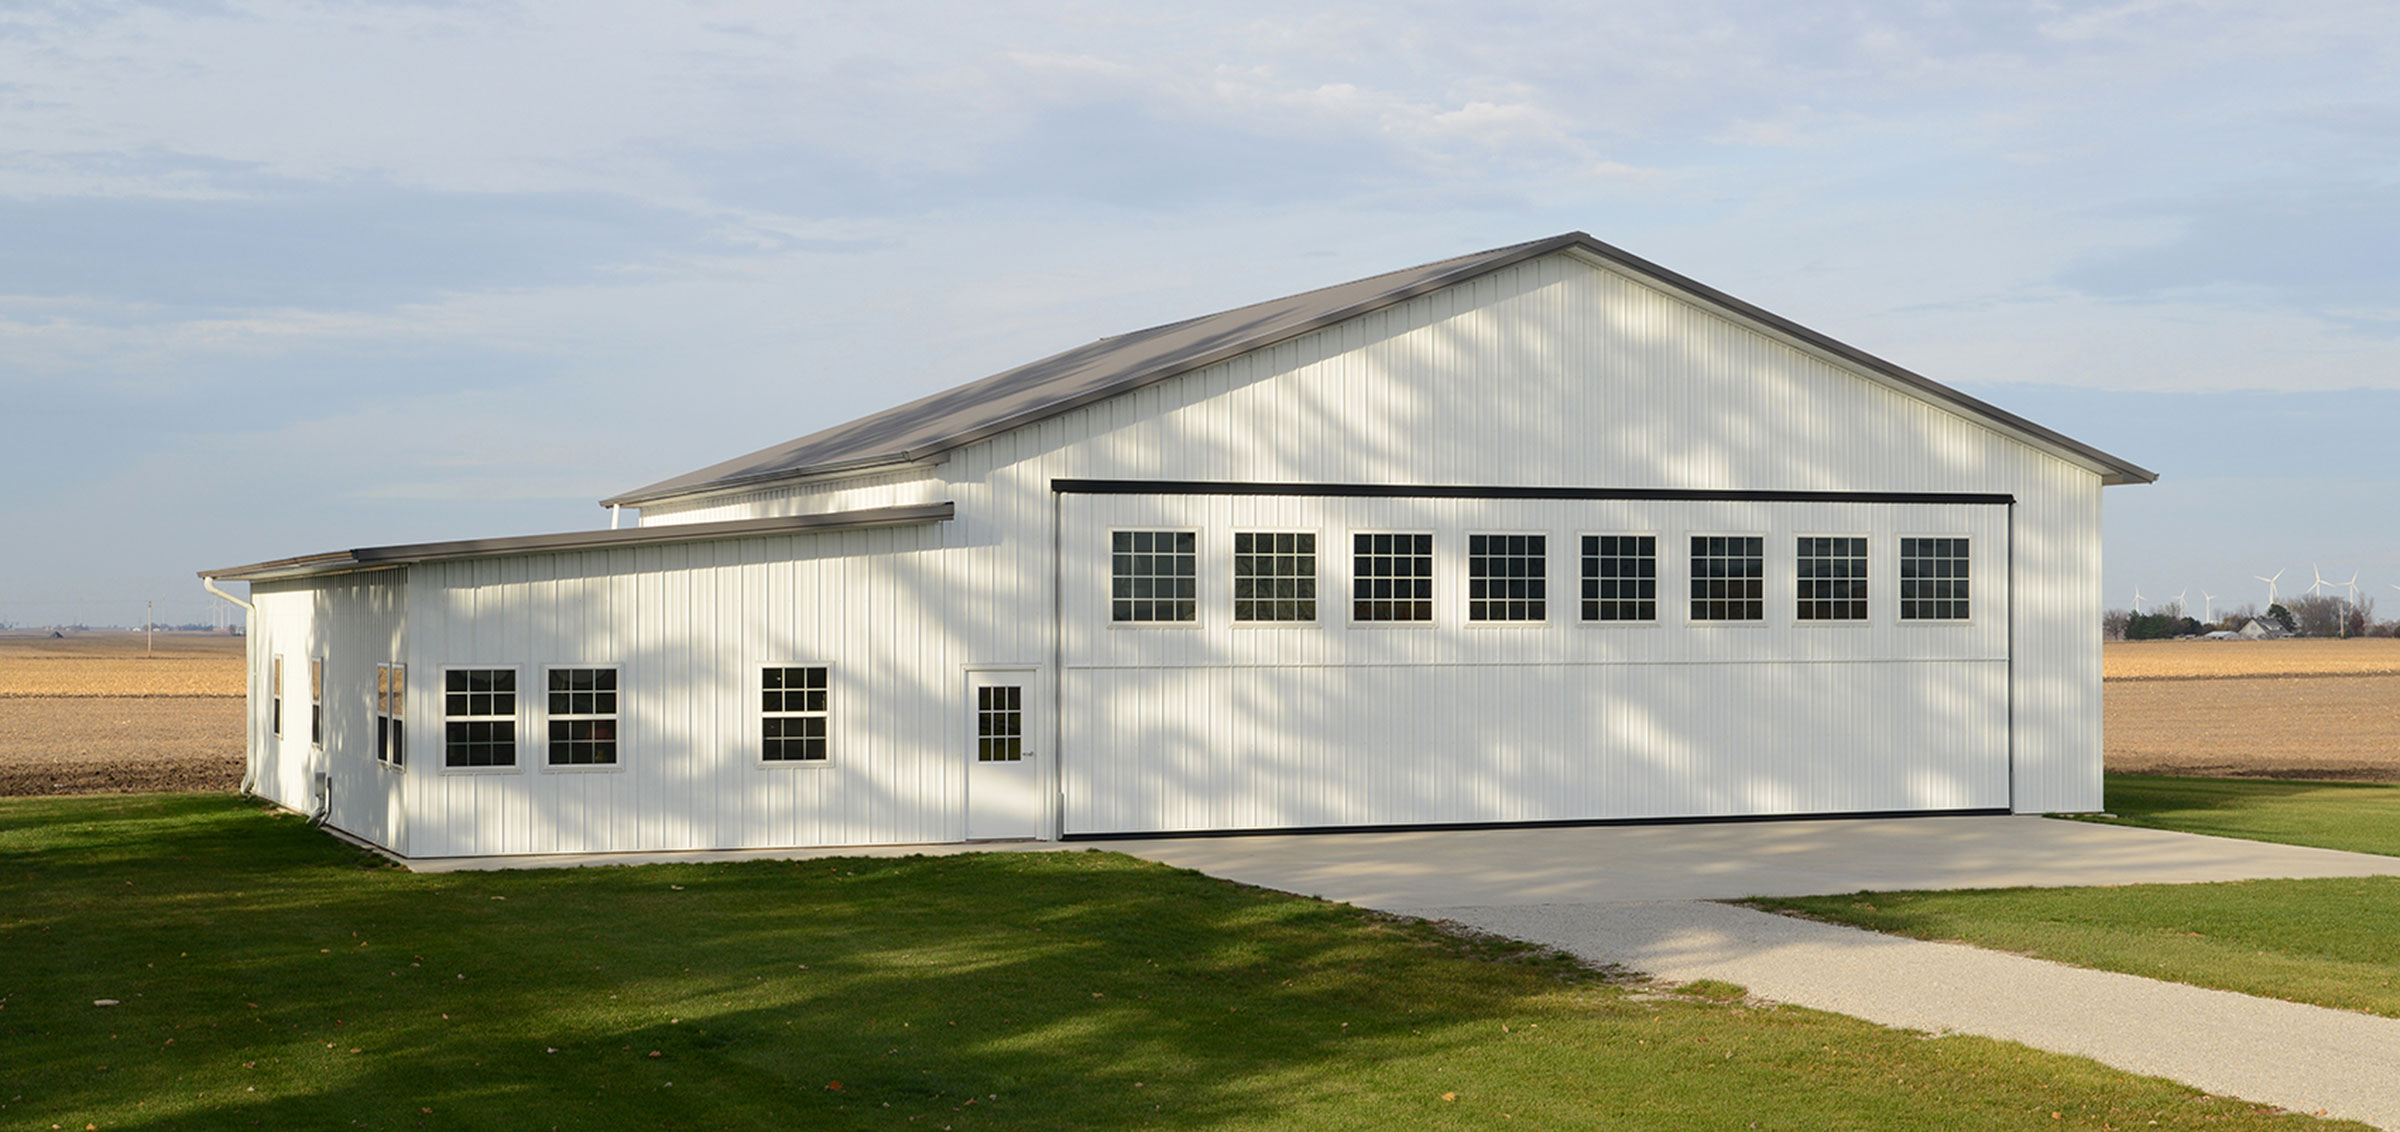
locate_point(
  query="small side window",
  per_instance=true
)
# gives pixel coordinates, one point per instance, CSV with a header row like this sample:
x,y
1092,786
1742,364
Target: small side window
x,y
391,710
275,696
316,700
479,717
793,709
583,716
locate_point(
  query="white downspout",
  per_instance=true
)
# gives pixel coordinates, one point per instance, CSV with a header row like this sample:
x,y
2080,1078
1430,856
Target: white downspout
x,y
249,740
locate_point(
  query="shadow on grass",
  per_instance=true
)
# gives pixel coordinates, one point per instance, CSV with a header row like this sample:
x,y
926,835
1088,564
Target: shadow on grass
x,y
261,975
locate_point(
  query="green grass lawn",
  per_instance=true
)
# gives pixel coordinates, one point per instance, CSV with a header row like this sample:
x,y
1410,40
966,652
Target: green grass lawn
x,y
2361,817
266,976
2329,942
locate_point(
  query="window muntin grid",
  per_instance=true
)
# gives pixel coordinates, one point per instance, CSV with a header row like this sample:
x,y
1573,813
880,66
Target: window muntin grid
x,y
793,703
1833,578
999,723
582,714
1154,576
1620,577
1391,577
316,700
479,717
1508,577
1729,578
1274,576
1933,579
391,712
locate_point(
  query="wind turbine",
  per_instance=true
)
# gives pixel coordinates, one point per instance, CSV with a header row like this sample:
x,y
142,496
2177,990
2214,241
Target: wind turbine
x,y
2270,585
2315,587
2186,591
2137,600
2208,607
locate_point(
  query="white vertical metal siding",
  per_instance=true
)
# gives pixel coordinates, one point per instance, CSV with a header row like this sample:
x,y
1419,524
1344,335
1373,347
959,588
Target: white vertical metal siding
x,y
353,622
1555,372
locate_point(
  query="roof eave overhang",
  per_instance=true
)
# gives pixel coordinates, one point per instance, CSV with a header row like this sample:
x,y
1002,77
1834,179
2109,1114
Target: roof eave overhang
x,y
409,554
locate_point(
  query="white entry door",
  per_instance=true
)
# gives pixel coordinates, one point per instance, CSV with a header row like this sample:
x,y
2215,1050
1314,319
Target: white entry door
x,y
1004,767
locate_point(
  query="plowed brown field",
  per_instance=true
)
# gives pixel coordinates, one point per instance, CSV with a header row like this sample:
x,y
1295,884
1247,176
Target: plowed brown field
x,y
2257,709
91,714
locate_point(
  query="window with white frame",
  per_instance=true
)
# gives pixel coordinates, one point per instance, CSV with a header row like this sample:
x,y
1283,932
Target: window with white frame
x,y
1391,577
1933,579
1508,577
1729,578
1833,578
391,714
479,717
316,700
1154,576
1274,576
1620,577
792,713
275,696
582,714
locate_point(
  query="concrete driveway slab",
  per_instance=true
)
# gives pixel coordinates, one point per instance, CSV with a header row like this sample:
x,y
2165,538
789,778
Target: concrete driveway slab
x,y
1729,860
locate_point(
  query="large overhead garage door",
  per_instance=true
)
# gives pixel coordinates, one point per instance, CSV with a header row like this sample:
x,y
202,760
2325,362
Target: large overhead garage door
x,y
1251,658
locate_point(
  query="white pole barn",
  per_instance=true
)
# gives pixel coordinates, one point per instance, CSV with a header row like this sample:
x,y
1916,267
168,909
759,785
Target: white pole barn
x,y
1544,534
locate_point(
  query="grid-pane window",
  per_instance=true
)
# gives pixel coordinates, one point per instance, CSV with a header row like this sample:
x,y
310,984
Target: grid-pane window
x,y
1274,576
316,700
1620,577
275,697
1154,576
583,716
391,714
792,706
1729,578
1833,579
479,717
1508,577
999,723
1933,579
1391,578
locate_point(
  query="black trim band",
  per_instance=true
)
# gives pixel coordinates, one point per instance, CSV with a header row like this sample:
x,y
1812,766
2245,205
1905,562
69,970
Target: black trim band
x,y
1571,823
1469,491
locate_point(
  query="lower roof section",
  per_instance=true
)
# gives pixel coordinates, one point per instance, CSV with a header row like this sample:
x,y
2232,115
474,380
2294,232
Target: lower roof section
x,y
383,557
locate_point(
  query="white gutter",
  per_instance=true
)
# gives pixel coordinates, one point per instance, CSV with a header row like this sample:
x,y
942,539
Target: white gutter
x,y
211,583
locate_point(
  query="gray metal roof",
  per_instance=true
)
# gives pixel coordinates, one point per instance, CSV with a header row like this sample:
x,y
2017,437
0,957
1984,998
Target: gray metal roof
x,y
933,425
385,557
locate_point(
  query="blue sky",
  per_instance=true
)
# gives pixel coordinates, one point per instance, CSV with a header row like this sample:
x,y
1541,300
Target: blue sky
x,y
279,278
